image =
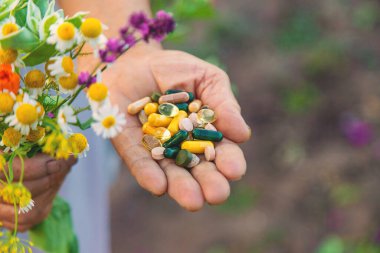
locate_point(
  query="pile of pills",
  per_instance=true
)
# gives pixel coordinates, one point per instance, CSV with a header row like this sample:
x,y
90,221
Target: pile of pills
x,y
177,126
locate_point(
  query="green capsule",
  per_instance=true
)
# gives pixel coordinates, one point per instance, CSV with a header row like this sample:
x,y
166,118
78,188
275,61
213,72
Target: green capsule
x,y
183,107
207,115
207,135
155,96
168,109
176,139
186,159
171,152
171,91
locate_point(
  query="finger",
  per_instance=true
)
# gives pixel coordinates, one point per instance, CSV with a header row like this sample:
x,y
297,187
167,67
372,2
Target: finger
x,y
39,166
139,161
230,160
210,84
215,186
182,187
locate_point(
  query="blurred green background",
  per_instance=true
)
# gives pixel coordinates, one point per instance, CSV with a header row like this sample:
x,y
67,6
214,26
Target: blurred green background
x,y
307,76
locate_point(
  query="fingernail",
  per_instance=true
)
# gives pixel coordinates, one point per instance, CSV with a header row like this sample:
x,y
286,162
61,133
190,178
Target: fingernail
x,y
53,166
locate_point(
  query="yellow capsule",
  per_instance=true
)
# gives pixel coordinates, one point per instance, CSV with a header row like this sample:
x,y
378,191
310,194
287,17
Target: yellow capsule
x,y
174,125
158,120
196,147
148,129
162,134
150,108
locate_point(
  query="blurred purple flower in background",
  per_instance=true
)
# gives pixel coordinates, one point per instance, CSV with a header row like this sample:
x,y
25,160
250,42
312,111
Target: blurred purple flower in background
x,y
358,132
113,49
140,22
85,78
162,25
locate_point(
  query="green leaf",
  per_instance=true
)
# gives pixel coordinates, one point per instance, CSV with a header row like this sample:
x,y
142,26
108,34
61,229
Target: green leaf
x,y
40,55
33,17
46,23
6,7
76,20
21,40
20,16
56,234
332,244
33,151
43,5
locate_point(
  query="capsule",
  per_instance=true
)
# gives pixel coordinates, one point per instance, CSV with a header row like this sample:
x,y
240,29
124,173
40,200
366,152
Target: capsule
x,y
207,116
186,159
171,153
174,98
159,120
150,108
196,147
195,106
155,96
208,135
174,125
150,142
183,107
162,134
143,118
172,91
168,109
158,153
138,105
176,139
148,129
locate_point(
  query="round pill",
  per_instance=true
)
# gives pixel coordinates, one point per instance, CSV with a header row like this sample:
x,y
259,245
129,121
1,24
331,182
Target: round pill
x,y
186,124
210,153
210,127
158,153
207,115
150,142
168,109
138,105
194,118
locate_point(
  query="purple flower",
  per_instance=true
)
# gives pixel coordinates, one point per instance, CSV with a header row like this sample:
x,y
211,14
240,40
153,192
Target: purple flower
x,y
140,22
161,26
113,49
50,115
358,132
85,78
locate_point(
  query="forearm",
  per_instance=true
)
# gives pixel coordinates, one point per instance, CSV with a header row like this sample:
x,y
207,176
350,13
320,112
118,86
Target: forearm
x,y
112,13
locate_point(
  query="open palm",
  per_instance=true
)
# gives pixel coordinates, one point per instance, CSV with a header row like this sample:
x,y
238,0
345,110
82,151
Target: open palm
x,y
144,70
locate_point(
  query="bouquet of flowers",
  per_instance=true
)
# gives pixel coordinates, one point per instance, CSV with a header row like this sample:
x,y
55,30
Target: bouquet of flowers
x,y
36,107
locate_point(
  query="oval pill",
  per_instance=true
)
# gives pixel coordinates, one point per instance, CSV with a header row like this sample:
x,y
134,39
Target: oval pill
x,y
174,98
168,109
162,134
138,105
210,153
195,106
158,120
207,116
150,142
210,127
186,124
150,108
158,153
196,147
143,118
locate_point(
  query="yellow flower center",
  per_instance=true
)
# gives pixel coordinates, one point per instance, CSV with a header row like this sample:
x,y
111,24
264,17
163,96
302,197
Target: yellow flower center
x,y
98,92
66,31
109,122
40,110
67,64
6,103
34,79
8,56
69,82
11,137
9,28
16,193
79,142
36,135
91,28
26,114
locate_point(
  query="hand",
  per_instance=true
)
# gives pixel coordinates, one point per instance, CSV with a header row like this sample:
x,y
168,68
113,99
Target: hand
x,y
43,177
145,69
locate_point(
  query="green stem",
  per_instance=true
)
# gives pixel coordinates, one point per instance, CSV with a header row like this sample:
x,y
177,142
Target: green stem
x,y
22,168
82,109
79,50
16,219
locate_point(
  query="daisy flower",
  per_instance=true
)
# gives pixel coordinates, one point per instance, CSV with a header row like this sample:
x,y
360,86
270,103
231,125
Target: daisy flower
x,y
92,32
35,82
7,101
16,193
11,56
64,35
26,115
108,121
66,115
60,66
8,26
80,144
97,95
68,84
11,139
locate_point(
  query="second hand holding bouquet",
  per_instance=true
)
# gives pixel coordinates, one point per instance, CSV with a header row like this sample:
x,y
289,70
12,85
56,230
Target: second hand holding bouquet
x,y
36,109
